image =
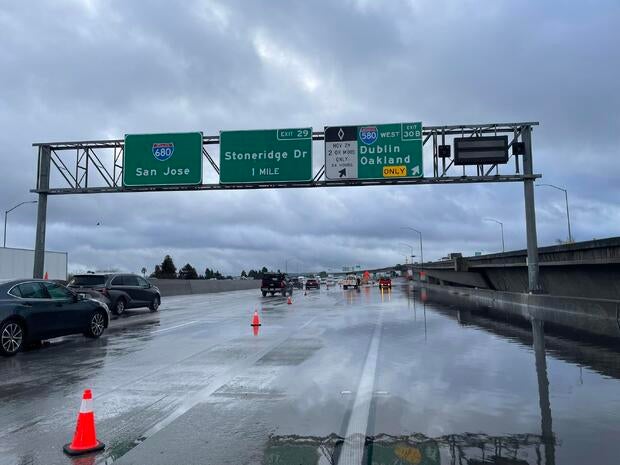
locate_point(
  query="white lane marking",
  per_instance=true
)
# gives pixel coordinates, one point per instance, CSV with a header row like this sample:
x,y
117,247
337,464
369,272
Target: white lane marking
x,y
220,380
352,451
175,327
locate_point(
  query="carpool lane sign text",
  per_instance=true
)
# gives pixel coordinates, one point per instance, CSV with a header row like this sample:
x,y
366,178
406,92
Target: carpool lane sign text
x,y
162,159
266,155
373,151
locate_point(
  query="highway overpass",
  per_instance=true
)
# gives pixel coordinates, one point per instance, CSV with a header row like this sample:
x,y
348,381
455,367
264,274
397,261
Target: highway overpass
x,y
580,269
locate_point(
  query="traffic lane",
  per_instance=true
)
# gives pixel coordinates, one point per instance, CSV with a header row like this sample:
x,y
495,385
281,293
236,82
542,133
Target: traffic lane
x,y
435,379
306,386
139,373
456,378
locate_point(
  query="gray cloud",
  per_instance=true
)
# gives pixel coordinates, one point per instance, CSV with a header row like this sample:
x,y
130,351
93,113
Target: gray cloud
x,y
88,69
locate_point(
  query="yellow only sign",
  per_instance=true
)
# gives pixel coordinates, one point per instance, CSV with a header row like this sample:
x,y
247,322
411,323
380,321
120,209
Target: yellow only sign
x,y
396,171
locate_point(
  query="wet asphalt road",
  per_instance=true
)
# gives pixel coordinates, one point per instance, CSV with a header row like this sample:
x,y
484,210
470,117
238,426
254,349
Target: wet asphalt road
x,y
192,384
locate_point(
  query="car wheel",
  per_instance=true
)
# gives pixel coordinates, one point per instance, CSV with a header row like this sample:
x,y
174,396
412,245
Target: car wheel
x,y
264,294
155,304
119,308
96,325
11,338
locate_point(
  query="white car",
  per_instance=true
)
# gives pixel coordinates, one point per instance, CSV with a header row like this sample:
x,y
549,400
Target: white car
x,y
350,281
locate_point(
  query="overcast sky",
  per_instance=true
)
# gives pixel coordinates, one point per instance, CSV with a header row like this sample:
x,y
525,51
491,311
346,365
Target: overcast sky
x,y
88,69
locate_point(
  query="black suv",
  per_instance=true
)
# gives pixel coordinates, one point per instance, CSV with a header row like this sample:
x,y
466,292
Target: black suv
x,y
118,291
276,283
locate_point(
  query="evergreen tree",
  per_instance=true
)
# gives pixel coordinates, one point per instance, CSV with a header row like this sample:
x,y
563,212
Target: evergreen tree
x,y
188,272
157,272
168,270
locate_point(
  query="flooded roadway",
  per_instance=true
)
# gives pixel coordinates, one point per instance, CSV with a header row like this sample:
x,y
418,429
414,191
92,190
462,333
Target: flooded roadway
x,y
337,377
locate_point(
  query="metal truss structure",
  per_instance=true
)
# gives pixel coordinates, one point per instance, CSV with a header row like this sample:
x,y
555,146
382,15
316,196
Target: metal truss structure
x,y
91,167
465,448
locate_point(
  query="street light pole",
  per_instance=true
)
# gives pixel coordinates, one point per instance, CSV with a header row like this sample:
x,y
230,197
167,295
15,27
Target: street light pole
x,y
570,236
421,248
9,211
502,226
411,250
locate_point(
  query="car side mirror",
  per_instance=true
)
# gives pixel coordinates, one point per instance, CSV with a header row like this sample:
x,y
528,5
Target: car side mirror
x,y
78,297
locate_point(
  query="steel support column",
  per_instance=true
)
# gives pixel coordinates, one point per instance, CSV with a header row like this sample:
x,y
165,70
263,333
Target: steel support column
x,y
530,214
43,184
546,422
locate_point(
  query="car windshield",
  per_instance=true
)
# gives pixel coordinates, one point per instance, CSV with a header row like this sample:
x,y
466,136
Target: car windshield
x,y
86,280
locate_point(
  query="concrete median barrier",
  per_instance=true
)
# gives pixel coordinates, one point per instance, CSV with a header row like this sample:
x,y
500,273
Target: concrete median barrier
x,y
169,287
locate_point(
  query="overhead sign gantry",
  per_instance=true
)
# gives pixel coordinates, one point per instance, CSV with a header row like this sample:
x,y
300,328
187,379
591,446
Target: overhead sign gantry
x,y
362,155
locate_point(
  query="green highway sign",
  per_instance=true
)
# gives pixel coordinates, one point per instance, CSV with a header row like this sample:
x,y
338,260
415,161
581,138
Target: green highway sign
x,y
162,159
267,155
379,151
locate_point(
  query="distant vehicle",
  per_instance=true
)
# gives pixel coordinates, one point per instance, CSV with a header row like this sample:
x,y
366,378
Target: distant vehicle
x,y
312,283
32,310
297,284
276,283
385,282
323,281
118,291
351,281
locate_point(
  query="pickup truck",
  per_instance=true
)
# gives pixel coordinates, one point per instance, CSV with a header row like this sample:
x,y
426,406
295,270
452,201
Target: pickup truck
x,y
276,283
350,281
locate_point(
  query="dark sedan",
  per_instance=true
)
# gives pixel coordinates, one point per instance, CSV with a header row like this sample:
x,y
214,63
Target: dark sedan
x,y
32,310
118,291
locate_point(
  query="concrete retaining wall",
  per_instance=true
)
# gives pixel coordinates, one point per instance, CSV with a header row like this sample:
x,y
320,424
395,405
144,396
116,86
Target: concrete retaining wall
x,y
595,316
170,287
588,269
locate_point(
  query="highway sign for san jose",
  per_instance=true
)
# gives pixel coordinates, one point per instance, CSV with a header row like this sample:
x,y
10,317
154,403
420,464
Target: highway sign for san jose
x,y
377,151
169,159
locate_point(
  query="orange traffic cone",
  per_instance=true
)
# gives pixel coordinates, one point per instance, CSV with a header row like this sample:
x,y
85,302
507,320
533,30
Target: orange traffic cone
x,y
45,276
255,319
255,330
85,437
289,301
